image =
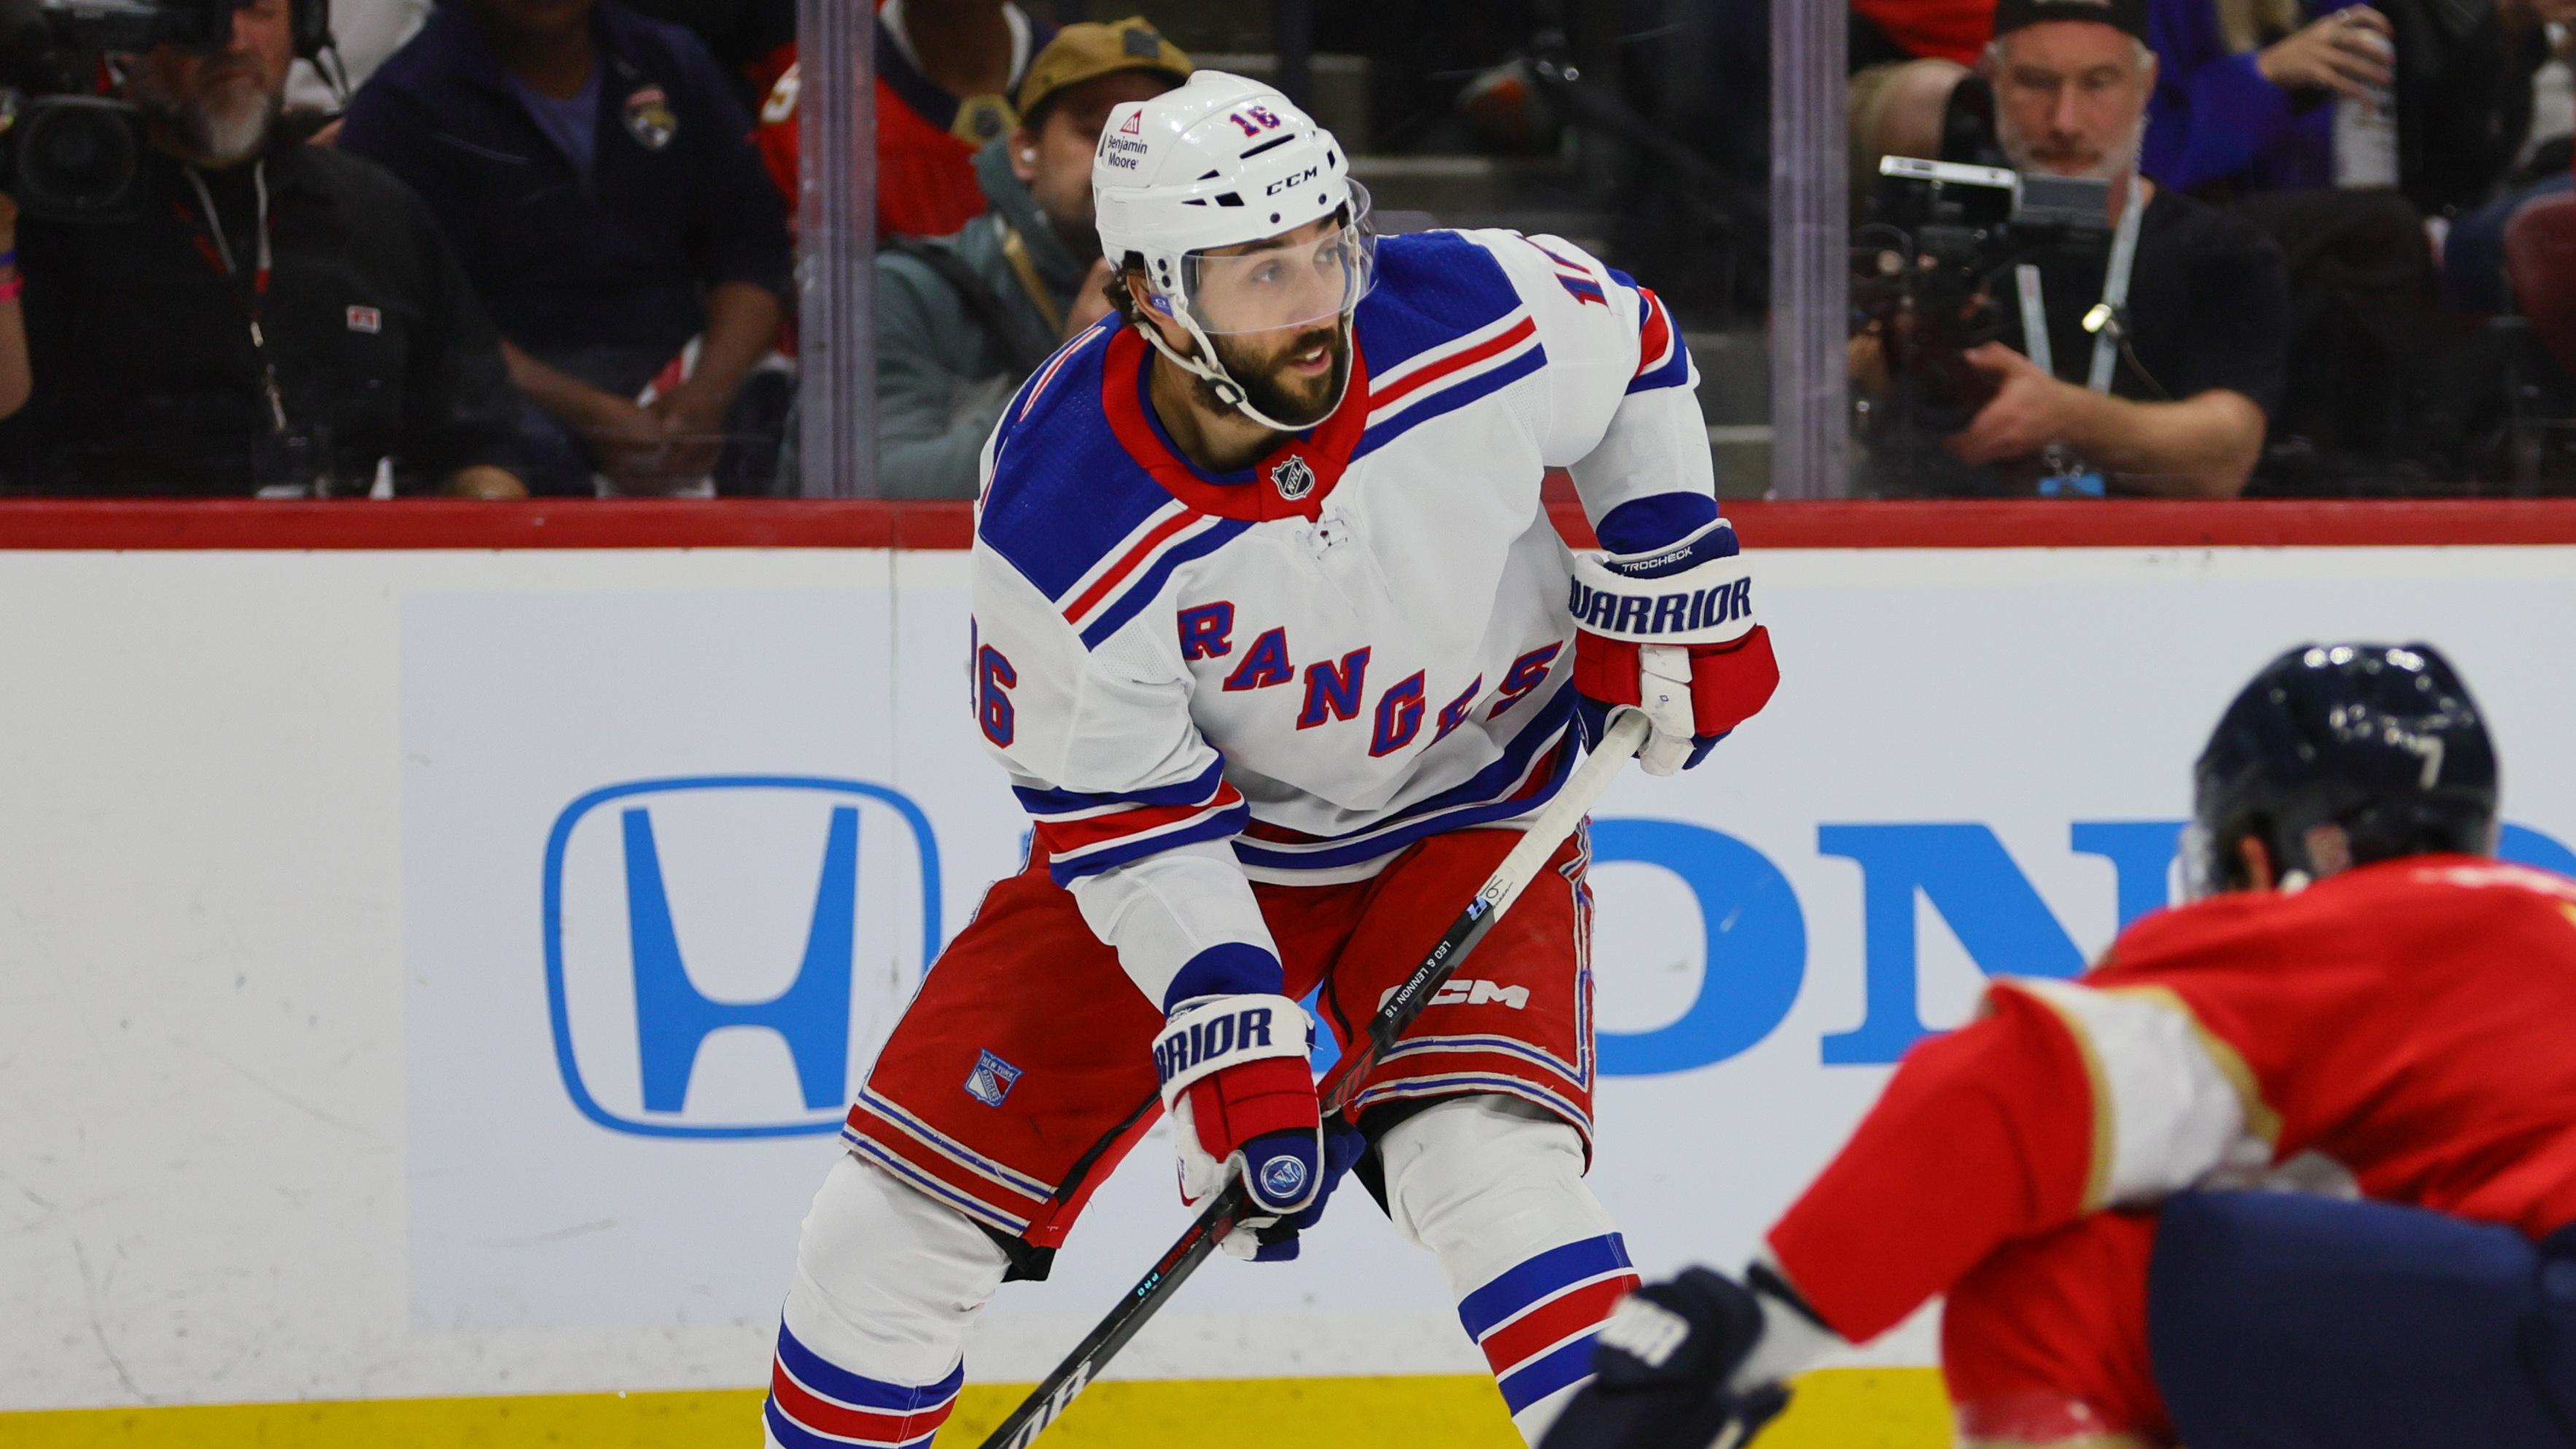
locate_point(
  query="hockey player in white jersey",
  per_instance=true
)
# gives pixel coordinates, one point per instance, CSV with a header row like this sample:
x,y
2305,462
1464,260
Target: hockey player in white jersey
x,y
1276,642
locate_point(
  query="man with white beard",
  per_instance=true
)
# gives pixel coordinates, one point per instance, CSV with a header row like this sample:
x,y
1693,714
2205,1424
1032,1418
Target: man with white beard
x,y
2196,351
276,318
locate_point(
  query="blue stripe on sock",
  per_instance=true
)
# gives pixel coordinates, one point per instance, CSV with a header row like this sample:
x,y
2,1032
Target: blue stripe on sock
x,y
857,1390
1541,1377
1538,1278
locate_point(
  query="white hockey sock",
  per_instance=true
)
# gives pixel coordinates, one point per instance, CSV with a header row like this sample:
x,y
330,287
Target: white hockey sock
x,y
1494,1186
871,1345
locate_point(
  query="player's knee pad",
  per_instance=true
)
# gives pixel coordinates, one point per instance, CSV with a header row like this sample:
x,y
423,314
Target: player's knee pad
x,y
1484,1181
871,1345
1494,1186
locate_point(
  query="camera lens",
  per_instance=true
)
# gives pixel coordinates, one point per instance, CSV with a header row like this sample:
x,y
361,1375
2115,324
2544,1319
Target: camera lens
x,y
76,156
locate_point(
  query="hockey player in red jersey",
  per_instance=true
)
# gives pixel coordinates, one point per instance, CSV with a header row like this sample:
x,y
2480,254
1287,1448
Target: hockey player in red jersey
x,y
2369,1014
1277,645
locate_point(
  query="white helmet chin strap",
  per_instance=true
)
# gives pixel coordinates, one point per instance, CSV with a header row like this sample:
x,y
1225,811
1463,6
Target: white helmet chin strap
x,y
1213,372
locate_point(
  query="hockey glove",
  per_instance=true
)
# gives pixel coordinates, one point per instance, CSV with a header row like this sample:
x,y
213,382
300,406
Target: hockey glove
x,y
1661,1368
1671,634
1241,1095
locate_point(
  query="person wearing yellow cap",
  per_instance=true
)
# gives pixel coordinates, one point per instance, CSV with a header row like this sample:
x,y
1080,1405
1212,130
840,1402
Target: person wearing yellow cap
x,y
962,320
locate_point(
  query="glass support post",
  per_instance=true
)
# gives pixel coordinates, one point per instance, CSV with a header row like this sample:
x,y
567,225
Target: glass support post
x,y
1810,267
836,248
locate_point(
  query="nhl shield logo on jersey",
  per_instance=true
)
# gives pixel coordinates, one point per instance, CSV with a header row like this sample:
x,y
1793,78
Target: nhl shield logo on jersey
x,y
991,1080
1293,478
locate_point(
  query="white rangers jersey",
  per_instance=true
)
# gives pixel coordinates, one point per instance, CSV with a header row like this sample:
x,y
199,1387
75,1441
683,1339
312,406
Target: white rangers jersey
x,y
1291,673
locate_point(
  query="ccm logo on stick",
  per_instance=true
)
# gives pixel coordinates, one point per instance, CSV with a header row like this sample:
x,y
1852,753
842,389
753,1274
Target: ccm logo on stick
x,y
1473,993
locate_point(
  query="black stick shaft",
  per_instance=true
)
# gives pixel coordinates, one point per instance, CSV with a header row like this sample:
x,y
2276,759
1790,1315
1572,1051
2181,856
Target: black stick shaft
x,y
1058,1390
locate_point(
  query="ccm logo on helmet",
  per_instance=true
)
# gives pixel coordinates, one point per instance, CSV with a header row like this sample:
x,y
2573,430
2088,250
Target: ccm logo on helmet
x,y
1633,614
1182,1050
1300,179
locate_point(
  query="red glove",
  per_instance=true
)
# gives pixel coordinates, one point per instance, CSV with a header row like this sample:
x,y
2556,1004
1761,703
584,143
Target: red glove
x,y
1242,1101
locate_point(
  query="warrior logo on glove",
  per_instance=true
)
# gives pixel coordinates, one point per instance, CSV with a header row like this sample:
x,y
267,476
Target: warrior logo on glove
x,y
1671,634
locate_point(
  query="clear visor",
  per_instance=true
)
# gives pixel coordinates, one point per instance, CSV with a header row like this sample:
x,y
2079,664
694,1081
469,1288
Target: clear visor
x,y
1275,288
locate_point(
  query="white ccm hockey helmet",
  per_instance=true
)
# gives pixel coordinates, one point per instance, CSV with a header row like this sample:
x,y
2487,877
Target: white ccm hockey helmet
x,y
1227,162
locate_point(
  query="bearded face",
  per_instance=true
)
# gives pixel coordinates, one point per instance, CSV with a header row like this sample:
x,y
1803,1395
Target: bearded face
x,y
1295,376
2071,98
219,108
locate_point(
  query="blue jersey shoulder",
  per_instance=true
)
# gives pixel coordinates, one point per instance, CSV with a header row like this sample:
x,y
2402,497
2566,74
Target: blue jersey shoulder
x,y
1065,491
1432,287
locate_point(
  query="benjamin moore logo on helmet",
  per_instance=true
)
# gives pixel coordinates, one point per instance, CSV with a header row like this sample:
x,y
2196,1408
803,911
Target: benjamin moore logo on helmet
x,y
1122,153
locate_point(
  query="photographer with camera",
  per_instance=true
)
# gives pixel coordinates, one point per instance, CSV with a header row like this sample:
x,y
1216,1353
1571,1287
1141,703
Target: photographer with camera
x,y
255,315
2162,345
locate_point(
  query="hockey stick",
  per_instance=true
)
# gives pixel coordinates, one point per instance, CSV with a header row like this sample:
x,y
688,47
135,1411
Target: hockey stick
x,y
1053,1395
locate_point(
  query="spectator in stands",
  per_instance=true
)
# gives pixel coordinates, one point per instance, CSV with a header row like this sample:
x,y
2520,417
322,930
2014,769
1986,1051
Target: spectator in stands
x,y
2248,93
961,321
945,70
600,184
2243,86
2276,108
2473,254
279,318
2200,335
1899,108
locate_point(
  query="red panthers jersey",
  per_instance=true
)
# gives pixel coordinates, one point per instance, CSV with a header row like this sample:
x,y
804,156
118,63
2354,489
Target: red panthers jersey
x,y
2406,1030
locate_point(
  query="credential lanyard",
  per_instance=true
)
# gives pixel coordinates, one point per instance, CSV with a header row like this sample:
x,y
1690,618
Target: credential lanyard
x,y
219,255
2115,289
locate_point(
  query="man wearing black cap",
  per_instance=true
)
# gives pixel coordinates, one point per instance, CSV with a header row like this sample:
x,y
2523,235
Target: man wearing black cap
x,y
2170,389
963,320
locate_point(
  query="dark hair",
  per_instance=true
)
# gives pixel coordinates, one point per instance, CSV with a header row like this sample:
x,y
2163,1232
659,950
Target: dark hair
x,y
1121,300
1033,121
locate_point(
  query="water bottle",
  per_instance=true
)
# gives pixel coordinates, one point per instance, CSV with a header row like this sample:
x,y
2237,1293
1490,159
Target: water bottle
x,y
2365,130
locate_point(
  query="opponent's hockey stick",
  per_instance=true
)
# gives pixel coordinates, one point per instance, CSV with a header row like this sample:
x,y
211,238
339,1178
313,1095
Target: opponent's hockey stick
x,y
1051,1397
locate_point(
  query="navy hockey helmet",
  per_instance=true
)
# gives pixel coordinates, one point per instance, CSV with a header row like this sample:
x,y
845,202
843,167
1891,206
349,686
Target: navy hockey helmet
x,y
2339,755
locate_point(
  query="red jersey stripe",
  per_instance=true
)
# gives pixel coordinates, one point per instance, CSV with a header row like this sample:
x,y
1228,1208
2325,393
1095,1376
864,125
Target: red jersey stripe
x,y
1657,335
1553,1322
1061,838
1501,342
1135,559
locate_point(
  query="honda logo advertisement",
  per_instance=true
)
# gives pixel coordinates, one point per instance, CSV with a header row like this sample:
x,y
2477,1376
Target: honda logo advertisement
x,y
633,1011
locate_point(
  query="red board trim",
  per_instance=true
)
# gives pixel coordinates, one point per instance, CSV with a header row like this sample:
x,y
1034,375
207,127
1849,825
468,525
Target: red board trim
x,y
458,524
586,524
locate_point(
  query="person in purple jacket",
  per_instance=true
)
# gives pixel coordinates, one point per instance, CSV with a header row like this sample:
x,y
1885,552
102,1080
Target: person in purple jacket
x,y
2245,89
